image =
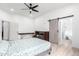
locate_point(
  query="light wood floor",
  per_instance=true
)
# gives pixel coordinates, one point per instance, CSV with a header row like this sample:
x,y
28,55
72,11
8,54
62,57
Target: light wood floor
x,y
75,51
61,50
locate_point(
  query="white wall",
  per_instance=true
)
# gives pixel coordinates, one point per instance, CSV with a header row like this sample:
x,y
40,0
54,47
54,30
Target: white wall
x,y
25,24
42,23
76,28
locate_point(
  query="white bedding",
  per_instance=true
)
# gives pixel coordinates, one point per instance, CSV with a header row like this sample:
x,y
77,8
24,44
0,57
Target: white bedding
x,y
3,47
27,47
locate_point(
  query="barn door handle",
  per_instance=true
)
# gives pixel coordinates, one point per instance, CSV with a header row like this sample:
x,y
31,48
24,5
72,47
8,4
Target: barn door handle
x,y
57,30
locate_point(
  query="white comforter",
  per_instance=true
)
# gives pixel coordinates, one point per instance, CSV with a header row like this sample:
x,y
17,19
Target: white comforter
x,y
3,47
26,47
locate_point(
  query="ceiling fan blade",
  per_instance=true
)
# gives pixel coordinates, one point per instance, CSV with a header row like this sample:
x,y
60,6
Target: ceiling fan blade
x,y
26,5
24,9
35,10
35,6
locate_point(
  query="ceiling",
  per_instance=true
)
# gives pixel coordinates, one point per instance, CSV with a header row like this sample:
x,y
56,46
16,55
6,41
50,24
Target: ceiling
x,y
43,8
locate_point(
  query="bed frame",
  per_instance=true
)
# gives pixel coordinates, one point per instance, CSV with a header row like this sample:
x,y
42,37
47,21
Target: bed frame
x,y
42,35
45,53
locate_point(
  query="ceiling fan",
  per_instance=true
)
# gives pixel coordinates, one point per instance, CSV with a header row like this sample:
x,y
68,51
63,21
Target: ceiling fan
x,y
31,7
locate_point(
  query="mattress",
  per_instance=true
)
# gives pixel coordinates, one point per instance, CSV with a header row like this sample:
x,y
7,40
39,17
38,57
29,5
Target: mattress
x,y
27,47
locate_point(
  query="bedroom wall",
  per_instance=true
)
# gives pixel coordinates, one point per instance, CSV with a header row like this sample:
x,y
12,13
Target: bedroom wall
x,y
42,23
25,24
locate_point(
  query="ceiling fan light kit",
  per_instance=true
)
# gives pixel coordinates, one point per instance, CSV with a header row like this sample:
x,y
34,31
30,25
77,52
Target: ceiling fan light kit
x,y
31,7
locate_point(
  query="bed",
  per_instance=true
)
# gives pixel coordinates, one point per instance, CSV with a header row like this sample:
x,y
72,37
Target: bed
x,y
25,47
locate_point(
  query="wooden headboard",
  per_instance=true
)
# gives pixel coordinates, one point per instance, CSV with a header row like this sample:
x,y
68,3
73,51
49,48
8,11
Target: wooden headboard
x,y
42,35
24,33
38,34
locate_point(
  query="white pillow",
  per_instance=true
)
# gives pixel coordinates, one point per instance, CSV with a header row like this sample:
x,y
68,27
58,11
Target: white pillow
x,y
26,36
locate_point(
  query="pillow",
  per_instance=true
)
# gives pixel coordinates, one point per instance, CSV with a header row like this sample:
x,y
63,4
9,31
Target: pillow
x,y
27,36
19,36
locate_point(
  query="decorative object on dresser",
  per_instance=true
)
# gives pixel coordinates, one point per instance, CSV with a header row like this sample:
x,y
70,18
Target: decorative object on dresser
x,y
42,35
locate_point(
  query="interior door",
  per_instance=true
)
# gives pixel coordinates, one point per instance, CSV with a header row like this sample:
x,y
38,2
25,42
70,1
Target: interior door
x,y
53,31
5,30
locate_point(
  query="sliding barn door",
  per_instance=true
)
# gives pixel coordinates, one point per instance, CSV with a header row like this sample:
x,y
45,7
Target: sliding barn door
x,y
53,31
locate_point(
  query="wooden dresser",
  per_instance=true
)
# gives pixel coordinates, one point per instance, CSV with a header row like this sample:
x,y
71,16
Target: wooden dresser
x,y
42,35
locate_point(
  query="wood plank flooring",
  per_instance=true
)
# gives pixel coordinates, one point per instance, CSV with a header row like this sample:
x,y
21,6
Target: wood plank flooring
x,y
61,50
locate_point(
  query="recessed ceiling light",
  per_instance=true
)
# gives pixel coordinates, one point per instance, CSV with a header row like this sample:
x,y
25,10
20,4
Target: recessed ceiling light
x,y
31,15
11,9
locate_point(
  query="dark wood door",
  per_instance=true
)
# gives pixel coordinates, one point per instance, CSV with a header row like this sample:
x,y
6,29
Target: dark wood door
x,y
46,36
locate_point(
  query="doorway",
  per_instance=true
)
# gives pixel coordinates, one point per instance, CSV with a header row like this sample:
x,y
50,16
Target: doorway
x,y
60,29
